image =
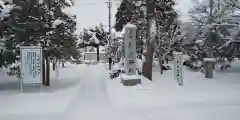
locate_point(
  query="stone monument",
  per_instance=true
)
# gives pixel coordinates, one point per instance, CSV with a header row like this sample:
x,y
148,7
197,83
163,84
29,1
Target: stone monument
x,y
130,77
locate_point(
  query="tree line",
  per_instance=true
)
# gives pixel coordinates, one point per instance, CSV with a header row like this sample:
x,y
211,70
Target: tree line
x,y
212,30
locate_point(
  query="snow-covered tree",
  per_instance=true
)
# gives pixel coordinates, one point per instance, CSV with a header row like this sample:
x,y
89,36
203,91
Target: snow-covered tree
x,y
132,12
95,37
164,16
166,25
138,12
41,23
220,22
6,10
215,28
100,36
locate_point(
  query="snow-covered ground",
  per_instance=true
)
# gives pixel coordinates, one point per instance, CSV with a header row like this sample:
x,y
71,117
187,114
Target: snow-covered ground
x,y
84,92
198,99
32,104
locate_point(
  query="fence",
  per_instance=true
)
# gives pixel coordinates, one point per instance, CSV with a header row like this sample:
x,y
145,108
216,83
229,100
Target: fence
x,y
92,56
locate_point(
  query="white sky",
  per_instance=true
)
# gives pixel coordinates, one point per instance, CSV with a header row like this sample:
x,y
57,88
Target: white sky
x,y
93,12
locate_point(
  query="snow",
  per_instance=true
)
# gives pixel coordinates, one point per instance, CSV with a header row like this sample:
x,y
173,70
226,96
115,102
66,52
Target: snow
x,y
185,57
94,38
70,2
5,10
130,77
199,99
209,59
50,101
129,25
139,64
177,53
84,92
41,1
57,22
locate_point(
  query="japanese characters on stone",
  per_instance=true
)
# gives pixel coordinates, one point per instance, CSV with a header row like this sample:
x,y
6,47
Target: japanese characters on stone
x,y
130,50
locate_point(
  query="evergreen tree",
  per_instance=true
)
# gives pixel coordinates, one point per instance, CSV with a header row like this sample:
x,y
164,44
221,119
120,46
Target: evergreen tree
x,y
219,33
132,12
85,37
123,15
61,34
138,12
24,27
101,34
101,37
44,24
94,37
7,10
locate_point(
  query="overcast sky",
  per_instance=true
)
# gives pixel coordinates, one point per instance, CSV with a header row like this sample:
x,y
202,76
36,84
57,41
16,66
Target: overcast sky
x,y
93,12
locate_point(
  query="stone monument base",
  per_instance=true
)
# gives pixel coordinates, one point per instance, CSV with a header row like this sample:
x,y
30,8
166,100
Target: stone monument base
x,y
130,80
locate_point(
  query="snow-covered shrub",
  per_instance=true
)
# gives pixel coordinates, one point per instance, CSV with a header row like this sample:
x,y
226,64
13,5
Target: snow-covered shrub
x,y
14,70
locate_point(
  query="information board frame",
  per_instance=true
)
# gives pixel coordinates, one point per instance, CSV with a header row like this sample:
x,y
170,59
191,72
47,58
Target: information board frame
x,y
31,56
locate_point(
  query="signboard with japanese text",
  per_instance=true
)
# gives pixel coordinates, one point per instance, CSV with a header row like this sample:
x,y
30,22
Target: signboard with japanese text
x,y
31,64
178,71
130,49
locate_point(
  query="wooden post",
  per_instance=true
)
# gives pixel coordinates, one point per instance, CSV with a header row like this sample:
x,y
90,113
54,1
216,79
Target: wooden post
x,y
98,52
43,69
47,72
54,65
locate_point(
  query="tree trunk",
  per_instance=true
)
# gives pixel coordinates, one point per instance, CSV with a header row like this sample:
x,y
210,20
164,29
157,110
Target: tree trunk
x,y
147,65
47,72
161,59
63,65
43,70
54,65
98,53
160,62
166,59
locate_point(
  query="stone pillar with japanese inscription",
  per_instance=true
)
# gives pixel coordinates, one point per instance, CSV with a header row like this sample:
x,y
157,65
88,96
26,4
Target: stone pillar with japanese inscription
x,y
130,49
130,56
178,67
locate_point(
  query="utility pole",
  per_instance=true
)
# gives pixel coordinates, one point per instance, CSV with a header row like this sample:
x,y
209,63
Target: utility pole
x,y
109,15
109,3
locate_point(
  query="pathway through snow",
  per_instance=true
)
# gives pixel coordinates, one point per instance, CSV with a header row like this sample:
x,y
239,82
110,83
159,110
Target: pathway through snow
x,y
92,102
